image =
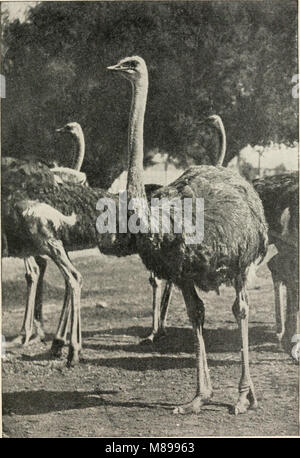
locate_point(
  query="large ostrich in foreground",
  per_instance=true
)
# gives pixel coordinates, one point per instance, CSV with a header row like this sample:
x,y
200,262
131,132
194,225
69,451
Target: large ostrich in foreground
x,y
235,237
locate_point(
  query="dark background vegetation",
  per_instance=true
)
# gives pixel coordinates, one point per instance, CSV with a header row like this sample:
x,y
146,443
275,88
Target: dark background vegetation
x,y
234,58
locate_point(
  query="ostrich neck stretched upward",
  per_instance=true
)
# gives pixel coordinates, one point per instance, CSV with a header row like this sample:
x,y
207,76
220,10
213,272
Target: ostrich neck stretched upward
x,y
135,185
222,134
79,149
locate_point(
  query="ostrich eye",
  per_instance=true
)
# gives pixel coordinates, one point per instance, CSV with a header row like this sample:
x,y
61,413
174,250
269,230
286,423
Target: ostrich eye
x,y
132,64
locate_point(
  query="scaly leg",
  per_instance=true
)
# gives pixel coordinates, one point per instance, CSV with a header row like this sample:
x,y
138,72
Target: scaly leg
x,y
195,310
38,307
74,281
32,276
292,324
166,299
156,294
240,310
32,328
61,334
275,268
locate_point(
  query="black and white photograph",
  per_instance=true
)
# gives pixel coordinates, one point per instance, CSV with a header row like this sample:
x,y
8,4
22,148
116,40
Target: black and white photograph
x,y
150,221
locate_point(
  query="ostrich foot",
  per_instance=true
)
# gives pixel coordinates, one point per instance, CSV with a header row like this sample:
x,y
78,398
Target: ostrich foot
x,y
56,348
280,346
25,341
39,330
246,401
195,405
291,345
154,337
73,356
17,341
279,336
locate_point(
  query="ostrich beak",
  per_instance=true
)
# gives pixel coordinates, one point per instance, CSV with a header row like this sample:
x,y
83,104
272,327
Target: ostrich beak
x,y
59,130
114,67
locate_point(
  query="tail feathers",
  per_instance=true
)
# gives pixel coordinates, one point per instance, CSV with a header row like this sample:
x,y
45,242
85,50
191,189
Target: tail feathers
x,y
45,214
69,220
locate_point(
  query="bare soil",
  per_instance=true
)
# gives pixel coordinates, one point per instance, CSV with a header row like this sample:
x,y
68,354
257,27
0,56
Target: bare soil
x,y
124,389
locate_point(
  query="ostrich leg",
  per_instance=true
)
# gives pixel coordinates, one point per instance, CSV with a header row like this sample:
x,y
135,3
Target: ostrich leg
x,y
165,302
195,310
160,309
274,266
32,276
32,328
240,310
38,307
74,281
156,295
61,334
292,323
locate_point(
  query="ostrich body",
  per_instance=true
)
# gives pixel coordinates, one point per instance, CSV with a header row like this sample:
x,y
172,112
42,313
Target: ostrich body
x,y
235,237
42,217
279,195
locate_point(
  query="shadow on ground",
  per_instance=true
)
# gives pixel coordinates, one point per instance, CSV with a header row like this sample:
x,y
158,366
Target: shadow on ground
x,y
43,402
180,340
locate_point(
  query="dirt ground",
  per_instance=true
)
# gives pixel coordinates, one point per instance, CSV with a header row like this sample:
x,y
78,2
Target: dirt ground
x,y
122,388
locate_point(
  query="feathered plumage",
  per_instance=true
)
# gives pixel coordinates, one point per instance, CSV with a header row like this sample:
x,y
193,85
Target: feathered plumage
x,y
227,248
277,193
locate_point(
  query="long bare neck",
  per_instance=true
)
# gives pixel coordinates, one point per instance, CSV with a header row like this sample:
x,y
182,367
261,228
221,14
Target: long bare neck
x,y
135,182
223,142
79,151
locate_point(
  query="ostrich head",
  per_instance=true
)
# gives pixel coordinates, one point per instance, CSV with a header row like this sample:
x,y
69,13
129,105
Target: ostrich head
x,y
132,68
215,119
72,128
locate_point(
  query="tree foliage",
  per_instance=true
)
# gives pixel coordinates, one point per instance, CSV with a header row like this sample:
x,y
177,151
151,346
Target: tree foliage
x,y
235,59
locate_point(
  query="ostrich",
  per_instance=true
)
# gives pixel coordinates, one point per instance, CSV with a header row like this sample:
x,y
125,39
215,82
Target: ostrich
x,y
235,237
44,218
279,195
159,316
36,267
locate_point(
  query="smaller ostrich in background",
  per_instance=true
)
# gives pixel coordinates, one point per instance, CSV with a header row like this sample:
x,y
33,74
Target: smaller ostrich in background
x,y
32,328
280,198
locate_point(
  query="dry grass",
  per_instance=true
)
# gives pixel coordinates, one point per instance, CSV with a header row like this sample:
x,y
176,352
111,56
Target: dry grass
x,y
124,389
